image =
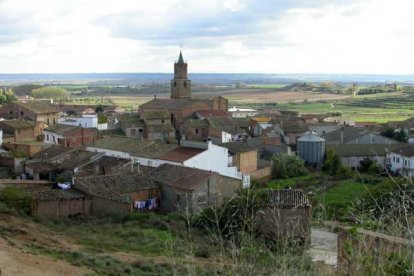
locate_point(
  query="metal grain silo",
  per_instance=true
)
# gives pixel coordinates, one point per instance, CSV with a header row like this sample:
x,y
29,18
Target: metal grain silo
x,y
311,148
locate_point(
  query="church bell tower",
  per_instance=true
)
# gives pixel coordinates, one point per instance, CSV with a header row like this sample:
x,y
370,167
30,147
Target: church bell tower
x,y
180,85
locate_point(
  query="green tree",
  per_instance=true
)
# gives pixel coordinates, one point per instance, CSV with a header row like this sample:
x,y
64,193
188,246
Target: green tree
x,y
285,166
51,92
332,164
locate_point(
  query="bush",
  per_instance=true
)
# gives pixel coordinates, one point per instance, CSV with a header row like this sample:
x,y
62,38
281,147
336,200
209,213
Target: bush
x,y
285,166
17,199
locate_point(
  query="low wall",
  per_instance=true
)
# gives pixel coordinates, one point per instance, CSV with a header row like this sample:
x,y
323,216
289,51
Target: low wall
x,y
261,175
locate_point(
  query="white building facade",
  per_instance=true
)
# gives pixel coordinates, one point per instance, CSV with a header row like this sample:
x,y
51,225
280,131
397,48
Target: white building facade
x,y
214,158
86,121
402,161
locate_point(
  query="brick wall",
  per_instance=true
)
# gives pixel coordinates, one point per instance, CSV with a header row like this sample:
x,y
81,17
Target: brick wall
x,y
261,175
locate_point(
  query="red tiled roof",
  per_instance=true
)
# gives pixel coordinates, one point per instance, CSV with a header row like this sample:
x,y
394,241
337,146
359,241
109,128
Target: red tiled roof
x,y
181,154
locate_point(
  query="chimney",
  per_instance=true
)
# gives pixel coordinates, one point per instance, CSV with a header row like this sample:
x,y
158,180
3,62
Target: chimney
x,y
342,135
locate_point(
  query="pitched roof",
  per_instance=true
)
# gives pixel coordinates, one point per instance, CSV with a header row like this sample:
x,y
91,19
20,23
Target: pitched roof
x,y
345,150
69,161
156,114
156,149
181,154
261,119
54,151
39,107
113,186
238,147
160,128
48,194
175,104
180,58
350,133
288,198
225,124
211,113
180,176
60,129
121,143
198,122
407,150
18,124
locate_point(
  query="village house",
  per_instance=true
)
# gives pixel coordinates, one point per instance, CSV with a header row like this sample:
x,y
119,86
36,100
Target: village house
x,y
219,129
87,120
105,165
157,125
37,111
58,162
181,105
120,193
401,160
351,155
205,156
52,202
25,148
191,190
242,155
21,130
288,216
356,135
70,136
131,125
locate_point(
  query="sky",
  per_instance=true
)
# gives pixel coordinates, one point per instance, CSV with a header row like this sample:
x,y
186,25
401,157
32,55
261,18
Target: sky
x,y
216,36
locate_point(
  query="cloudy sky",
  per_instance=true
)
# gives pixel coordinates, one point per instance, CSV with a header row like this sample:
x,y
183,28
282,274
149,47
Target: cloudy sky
x,y
246,36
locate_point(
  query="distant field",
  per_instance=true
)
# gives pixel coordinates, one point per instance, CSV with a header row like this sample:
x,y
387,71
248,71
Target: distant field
x,y
374,108
265,86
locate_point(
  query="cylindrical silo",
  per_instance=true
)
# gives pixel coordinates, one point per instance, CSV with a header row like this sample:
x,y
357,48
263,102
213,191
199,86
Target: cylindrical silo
x,y
311,148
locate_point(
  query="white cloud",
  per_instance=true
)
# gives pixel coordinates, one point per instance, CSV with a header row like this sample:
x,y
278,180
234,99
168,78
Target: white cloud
x,y
359,36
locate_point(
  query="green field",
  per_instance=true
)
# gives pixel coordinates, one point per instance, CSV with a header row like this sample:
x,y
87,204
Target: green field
x,y
373,108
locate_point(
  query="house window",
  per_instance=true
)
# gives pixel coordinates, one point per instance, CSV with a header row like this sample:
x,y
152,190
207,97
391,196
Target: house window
x,y
54,120
140,130
405,162
48,121
393,159
175,84
185,84
196,130
54,139
398,160
47,137
162,121
21,113
178,198
149,163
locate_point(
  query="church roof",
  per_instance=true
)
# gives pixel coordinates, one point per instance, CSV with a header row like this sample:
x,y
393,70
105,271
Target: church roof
x,y
174,104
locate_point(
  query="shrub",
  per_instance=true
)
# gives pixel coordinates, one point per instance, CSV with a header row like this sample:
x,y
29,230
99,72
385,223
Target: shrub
x,y
17,199
285,166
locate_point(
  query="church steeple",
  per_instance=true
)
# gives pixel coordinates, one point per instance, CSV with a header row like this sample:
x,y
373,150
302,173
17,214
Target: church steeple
x,y
180,58
180,85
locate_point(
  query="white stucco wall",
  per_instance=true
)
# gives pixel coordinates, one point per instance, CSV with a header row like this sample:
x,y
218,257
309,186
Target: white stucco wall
x,y
399,163
51,137
215,159
87,121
